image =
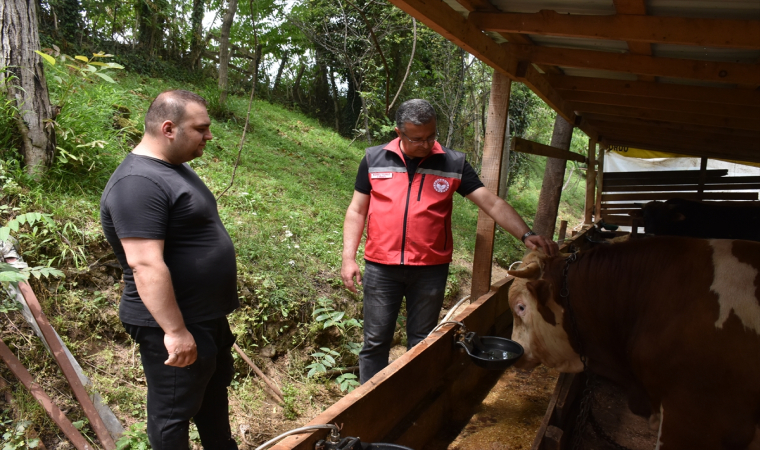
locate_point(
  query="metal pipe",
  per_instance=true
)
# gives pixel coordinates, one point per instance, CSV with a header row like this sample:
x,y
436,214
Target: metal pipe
x,y
444,323
334,434
42,398
454,308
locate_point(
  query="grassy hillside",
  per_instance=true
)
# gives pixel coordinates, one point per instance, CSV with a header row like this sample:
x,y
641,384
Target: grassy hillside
x,y
284,213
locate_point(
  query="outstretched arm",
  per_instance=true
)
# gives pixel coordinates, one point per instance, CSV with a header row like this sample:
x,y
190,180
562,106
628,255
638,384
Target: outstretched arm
x,y
353,227
154,284
507,218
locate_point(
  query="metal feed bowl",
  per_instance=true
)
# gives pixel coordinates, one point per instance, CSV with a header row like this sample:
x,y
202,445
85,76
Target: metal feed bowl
x,y
491,352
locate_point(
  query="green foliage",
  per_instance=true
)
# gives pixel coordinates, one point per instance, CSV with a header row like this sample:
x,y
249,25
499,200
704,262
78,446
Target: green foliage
x,y
135,438
290,399
347,382
14,435
322,361
9,135
327,316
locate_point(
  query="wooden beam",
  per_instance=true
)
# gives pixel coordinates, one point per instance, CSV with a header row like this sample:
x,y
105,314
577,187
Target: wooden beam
x,y
657,135
534,148
498,111
638,8
681,187
668,116
656,90
590,182
710,109
610,126
684,195
724,33
599,183
667,125
687,150
724,72
691,175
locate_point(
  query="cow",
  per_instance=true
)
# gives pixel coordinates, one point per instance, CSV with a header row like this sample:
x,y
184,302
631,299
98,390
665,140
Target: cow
x,y
674,321
713,220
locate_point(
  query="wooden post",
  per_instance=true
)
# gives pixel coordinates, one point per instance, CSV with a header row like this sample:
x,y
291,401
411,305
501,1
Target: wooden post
x,y
600,184
554,175
702,177
562,232
498,109
590,182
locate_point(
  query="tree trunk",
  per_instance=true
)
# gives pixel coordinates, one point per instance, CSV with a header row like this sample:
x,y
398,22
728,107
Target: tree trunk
x,y
196,39
336,105
27,89
224,50
283,63
554,174
255,63
297,84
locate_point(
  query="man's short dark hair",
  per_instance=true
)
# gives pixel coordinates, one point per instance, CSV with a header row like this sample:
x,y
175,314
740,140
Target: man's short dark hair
x,y
169,105
416,111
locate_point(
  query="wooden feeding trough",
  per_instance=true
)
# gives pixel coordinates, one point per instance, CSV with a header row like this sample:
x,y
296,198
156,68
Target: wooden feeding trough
x,y
674,77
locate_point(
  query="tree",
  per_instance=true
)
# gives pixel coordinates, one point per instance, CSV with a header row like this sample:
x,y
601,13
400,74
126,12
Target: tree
x,y
224,50
22,74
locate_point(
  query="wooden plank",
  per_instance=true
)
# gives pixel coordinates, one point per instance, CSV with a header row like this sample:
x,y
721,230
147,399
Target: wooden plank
x,y
548,417
721,33
534,148
562,232
599,184
668,116
728,96
722,72
682,187
736,154
660,104
539,84
667,126
43,399
588,211
715,142
665,174
608,128
687,196
625,221
366,412
67,368
496,126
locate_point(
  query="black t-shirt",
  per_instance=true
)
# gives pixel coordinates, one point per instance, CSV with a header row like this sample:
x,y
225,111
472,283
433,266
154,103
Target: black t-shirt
x,y
153,199
470,179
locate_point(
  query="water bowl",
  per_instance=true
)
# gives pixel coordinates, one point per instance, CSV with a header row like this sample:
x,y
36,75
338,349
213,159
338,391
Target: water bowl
x,y
491,352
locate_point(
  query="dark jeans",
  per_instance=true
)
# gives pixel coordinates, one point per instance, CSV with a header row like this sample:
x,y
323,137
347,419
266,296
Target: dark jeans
x,y
384,288
199,391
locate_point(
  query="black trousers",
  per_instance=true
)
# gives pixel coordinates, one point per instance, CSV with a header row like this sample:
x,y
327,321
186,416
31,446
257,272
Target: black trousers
x,y
199,391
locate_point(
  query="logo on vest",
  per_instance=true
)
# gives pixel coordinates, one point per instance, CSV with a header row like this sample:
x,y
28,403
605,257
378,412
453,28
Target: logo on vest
x,y
381,175
441,185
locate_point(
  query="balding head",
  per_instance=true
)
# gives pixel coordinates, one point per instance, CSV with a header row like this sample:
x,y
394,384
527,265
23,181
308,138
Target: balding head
x,y
169,105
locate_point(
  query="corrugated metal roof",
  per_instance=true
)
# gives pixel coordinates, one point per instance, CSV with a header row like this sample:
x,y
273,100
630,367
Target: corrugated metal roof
x,y
591,7
580,43
708,9
706,53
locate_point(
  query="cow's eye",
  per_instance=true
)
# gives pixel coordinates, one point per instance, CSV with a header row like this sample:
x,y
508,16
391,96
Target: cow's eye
x,y
521,307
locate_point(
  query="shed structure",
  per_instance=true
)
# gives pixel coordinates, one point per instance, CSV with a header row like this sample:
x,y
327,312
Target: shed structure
x,y
676,76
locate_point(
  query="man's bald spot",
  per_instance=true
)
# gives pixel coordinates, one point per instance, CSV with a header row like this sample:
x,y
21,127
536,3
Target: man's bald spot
x,y
169,105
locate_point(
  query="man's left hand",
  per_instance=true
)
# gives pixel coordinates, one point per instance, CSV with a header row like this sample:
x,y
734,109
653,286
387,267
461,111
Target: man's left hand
x,y
548,246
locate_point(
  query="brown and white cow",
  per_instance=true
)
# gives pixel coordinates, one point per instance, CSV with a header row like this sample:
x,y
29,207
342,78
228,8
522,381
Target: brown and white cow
x,y
675,321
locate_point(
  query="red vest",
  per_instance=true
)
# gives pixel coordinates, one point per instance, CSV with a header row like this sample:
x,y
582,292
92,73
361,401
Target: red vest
x,y
410,223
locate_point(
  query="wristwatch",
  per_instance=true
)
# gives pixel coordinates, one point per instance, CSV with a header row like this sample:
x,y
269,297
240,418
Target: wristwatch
x,y
526,235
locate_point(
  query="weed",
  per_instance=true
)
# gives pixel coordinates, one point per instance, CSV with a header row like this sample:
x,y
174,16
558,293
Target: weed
x,y
347,382
135,438
322,361
15,435
290,399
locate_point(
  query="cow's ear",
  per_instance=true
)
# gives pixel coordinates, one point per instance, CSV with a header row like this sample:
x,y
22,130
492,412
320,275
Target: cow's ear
x,y
541,290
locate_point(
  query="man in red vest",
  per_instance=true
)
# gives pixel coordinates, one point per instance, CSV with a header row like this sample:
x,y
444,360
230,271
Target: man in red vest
x,y
404,194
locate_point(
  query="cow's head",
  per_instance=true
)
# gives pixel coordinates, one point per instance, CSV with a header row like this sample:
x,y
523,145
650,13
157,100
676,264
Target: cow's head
x,y
660,218
538,318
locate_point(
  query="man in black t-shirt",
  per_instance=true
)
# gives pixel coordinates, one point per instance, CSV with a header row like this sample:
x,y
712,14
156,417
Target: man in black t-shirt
x,y
179,274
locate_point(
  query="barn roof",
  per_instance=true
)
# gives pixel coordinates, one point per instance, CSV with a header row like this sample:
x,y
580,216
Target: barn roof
x,y
680,76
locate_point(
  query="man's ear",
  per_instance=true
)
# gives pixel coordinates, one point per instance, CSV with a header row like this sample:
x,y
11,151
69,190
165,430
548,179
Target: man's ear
x,y
168,129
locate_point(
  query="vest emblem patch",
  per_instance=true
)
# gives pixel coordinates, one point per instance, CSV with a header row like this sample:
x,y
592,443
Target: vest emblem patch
x,y
381,175
441,185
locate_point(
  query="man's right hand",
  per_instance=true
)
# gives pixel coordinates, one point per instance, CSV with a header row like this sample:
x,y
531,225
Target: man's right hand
x,y
181,348
348,271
